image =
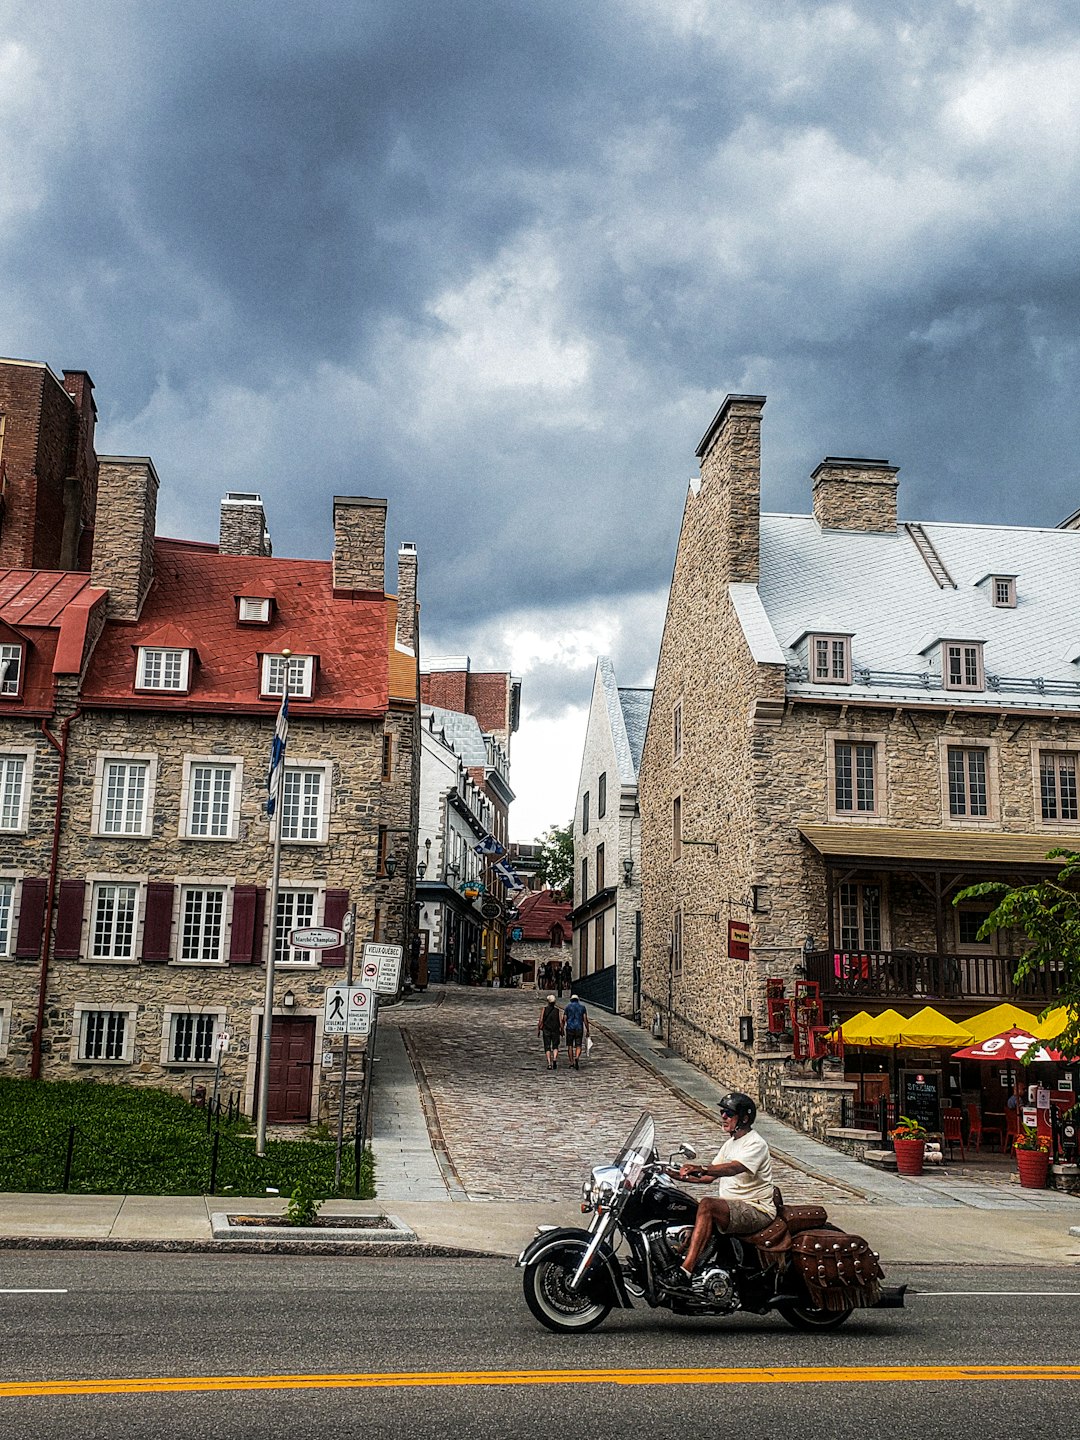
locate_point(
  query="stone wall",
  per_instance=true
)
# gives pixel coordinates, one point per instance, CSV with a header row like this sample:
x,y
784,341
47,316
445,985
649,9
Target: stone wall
x,y
243,527
855,495
123,560
359,543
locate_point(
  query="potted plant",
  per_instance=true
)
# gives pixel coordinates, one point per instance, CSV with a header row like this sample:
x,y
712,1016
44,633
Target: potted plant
x,y
1032,1158
909,1142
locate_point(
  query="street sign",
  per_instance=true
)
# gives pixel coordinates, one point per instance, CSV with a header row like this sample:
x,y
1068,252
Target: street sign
x,y
387,960
490,909
316,937
516,933
347,1010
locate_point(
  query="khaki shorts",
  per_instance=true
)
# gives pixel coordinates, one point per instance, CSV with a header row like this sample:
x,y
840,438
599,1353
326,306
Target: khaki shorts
x,y
746,1218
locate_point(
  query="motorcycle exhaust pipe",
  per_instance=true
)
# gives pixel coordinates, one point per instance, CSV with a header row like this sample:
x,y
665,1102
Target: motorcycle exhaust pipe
x,y
892,1297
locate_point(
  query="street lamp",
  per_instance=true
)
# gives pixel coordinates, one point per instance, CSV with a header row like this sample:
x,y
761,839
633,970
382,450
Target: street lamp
x,y
390,866
628,870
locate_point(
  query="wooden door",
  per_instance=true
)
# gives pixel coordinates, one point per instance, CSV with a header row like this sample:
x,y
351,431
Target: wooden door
x,y
292,1065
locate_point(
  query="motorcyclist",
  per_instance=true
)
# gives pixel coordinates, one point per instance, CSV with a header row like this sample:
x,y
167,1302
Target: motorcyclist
x,y
743,1166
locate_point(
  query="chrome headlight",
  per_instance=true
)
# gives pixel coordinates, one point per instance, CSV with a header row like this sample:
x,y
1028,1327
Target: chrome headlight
x,y
603,1186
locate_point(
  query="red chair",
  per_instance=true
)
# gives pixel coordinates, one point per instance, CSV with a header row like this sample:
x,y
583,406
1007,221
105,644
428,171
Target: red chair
x,y
975,1128
951,1133
1012,1128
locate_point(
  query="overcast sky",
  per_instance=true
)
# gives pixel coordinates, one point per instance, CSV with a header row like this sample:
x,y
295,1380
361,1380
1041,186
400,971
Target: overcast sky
x,y
501,261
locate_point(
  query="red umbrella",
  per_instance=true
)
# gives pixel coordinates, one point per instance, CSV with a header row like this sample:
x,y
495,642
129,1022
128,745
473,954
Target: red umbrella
x,y
1011,1045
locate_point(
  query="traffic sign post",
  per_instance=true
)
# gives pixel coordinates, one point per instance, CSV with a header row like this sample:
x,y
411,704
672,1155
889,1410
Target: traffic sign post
x,y
348,926
383,964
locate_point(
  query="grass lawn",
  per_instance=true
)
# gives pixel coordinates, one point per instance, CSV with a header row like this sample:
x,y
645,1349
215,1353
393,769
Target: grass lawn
x,y
148,1142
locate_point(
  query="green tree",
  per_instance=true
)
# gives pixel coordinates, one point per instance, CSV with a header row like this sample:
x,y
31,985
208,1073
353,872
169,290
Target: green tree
x,y
1047,914
556,863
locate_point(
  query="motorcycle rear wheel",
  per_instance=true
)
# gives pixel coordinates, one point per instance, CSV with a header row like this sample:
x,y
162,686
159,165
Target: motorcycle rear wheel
x,y
548,1297
808,1317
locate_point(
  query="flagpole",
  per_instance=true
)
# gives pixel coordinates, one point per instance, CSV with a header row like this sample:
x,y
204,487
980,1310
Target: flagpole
x,y
271,949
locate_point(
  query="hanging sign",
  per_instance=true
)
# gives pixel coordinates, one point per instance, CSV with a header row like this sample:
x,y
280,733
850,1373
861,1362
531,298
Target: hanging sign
x,y
738,940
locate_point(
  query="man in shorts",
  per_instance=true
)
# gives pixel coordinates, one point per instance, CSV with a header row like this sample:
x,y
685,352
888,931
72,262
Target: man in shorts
x,y
743,1166
550,1027
576,1021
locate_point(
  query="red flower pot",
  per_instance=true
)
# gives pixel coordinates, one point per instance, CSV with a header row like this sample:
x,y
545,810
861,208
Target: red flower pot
x,y
1034,1166
909,1156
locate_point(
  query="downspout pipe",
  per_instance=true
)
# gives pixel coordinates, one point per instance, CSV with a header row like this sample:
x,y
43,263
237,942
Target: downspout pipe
x,y
60,746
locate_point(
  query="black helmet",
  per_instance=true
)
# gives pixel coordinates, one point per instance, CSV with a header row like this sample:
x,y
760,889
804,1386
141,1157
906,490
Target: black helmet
x,y
741,1106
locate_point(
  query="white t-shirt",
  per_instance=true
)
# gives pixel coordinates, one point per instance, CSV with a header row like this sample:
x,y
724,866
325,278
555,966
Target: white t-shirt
x,y
754,1185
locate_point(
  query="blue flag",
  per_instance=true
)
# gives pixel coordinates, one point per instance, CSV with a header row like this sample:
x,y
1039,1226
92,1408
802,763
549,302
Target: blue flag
x,y
277,752
490,846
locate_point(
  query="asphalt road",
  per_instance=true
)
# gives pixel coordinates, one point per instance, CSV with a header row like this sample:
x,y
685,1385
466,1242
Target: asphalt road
x,y
156,1316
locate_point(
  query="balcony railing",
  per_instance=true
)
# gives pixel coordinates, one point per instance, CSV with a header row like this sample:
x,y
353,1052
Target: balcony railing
x,y
919,975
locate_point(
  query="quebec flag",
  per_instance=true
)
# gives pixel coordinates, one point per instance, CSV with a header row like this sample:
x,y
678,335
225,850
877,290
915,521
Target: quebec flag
x,y
277,752
490,846
508,876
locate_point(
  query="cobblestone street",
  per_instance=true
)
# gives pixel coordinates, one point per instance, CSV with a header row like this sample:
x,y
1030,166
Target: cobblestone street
x,y
515,1131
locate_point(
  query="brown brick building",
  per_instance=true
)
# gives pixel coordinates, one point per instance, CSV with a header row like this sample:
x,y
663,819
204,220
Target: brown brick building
x,y
135,725
853,718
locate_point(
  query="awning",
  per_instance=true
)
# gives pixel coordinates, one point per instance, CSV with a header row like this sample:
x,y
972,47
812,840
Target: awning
x,y
926,1029
999,1018
1053,1025
887,845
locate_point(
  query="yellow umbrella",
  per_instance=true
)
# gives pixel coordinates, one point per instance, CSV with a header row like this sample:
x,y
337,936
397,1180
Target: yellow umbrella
x,y
854,1030
999,1019
1053,1025
884,1029
929,1027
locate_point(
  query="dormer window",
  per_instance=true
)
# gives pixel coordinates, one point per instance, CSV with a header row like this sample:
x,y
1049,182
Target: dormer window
x,y
962,665
1003,591
300,670
11,671
253,610
830,659
163,669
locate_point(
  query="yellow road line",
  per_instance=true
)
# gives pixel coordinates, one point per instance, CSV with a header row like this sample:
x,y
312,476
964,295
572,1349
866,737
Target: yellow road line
x,y
787,1375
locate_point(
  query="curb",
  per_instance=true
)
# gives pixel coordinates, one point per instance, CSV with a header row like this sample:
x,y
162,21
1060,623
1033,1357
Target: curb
x,y
360,1248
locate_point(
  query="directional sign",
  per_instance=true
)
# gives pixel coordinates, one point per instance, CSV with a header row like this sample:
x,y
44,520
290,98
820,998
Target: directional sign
x,y
316,937
348,1009
387,959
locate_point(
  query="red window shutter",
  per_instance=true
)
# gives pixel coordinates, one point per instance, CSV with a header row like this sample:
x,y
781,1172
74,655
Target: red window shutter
x,y
335,908
157,925
31,919
69,920
249,902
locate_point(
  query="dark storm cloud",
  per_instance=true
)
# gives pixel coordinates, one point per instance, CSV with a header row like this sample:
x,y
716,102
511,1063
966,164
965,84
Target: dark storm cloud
x,y
501,261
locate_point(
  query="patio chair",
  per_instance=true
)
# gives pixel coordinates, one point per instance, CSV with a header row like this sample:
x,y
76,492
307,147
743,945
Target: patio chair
x,y
975,1128
1012,1129
951,1133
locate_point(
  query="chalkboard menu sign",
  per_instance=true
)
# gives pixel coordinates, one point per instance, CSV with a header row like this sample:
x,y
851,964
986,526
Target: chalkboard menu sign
x,y
921,1094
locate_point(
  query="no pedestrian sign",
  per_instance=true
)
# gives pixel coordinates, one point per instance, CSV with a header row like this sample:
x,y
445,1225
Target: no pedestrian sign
x,y
348,1010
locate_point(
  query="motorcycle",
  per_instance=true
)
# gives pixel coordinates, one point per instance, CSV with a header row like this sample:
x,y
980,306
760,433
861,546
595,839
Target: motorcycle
x,y
808,1271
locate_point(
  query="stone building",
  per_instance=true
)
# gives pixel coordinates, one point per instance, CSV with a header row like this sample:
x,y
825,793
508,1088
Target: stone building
x,y
543,922
134,743
607,837
853,719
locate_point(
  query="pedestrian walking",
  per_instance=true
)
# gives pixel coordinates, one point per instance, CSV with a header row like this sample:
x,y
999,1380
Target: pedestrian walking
x,y
567,975
557,978
576,1026
549,1027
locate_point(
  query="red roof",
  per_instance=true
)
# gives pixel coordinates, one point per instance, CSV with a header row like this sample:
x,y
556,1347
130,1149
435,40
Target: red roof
x,y
541,910
195,590
50,609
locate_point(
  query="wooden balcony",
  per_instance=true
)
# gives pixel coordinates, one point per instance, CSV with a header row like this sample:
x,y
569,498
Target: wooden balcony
x,y
918,975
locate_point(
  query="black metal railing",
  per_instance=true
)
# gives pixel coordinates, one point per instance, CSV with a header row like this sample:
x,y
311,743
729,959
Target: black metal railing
x,y
921,975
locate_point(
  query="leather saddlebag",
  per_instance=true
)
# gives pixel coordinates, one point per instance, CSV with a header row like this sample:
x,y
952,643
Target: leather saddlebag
x,y
840,1271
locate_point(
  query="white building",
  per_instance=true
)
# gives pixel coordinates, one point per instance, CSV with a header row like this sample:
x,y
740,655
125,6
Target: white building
x,y
607,887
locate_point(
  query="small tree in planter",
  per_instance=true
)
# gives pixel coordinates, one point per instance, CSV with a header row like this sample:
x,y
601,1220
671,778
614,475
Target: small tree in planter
x,y
1032,1158
909,1142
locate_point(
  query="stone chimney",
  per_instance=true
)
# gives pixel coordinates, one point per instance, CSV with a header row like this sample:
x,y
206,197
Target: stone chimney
x,y
243,525
359,543
406,598
855,495
730,458
123,559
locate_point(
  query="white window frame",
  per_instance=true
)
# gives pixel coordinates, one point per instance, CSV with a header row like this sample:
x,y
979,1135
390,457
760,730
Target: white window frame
x,y
195,762
857,737
170,1015
11,686
106,758
969,656
963,742
26,754
262,617
81,1010
95,883
836,647
1003,592
183,683
185,884
325,769
290,888
301,676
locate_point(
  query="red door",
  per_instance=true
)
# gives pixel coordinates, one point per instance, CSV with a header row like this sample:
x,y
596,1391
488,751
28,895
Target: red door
x,y
292,1063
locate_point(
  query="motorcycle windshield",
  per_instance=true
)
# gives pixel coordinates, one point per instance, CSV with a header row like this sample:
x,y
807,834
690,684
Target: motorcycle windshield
x,y
637,1152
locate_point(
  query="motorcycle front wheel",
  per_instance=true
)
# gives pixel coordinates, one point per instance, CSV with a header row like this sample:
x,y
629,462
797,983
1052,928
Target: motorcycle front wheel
x,y
549,1297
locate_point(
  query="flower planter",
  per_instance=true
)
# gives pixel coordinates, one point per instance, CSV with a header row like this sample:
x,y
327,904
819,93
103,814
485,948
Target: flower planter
x,y
1034,1165
909,1156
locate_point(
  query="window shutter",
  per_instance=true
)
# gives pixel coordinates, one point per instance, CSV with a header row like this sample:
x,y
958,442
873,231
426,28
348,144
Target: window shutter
x,y
247,913
157,927
69,920
335,907
31,919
